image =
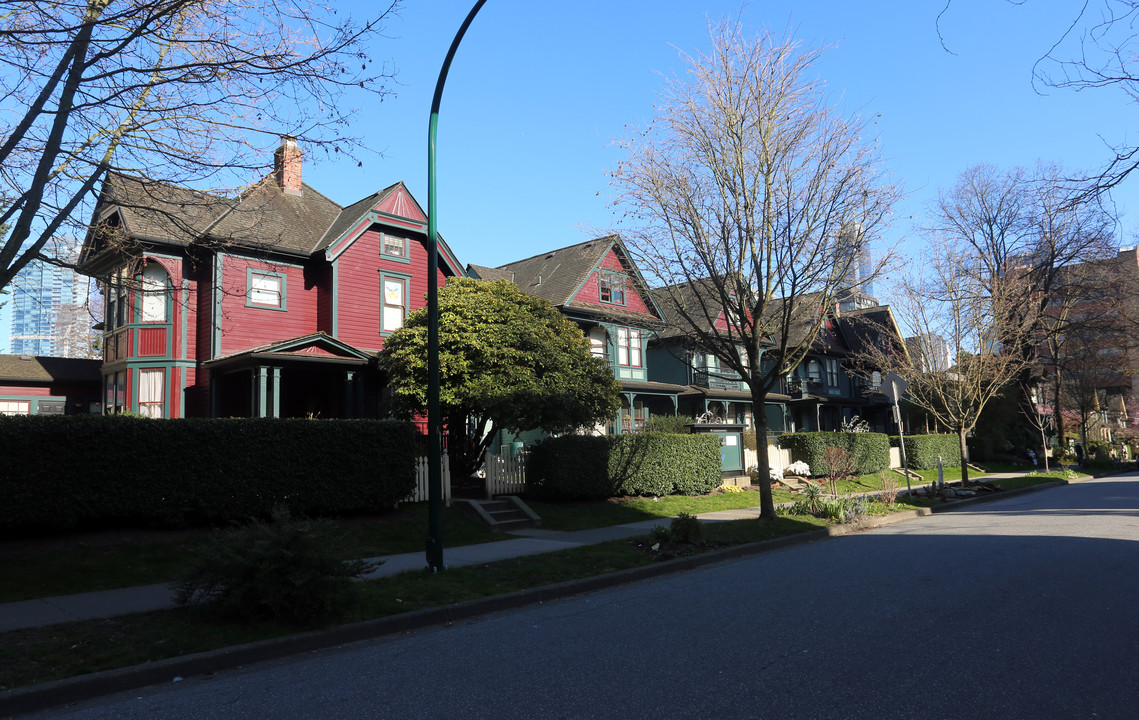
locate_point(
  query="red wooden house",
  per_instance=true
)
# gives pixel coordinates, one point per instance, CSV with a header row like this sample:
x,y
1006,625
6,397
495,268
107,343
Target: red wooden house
x,y
597,285
271,304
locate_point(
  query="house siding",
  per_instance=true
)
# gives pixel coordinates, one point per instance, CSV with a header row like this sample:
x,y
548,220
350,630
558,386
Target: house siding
x,y
590,291
358,291
249,327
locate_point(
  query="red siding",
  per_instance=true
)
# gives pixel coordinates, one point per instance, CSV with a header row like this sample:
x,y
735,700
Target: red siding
x,y
25,391
152,341
358,288
590,293
249,327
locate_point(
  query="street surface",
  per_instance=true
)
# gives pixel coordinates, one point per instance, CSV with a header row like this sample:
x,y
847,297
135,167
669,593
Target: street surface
x,y
1021,608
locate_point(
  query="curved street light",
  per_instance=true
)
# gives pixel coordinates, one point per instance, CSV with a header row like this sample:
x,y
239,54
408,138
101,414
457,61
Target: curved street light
x,y
434,413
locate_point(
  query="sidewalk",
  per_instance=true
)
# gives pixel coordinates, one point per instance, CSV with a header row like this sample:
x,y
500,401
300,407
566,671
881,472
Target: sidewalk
x,y
124,601
146,598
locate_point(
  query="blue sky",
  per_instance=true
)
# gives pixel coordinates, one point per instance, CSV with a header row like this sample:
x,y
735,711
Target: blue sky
x,y
539,89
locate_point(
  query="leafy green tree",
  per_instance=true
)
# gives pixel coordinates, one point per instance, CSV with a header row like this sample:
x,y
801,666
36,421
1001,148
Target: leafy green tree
x,y
508,361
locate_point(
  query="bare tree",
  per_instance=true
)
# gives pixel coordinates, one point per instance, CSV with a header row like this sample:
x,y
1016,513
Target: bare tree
x,y
184,92
752,201
1026,232
1098,48
949,301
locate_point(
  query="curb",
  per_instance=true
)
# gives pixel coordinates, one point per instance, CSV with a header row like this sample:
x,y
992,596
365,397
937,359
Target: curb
x,y
70,691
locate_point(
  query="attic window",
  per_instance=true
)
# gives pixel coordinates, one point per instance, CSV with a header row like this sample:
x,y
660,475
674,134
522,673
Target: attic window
x,y
611,288
393,247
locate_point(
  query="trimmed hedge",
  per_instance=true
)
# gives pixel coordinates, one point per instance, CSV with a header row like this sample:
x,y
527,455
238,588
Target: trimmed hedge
x,y
571,467
871,451
922,450
576,467
91,471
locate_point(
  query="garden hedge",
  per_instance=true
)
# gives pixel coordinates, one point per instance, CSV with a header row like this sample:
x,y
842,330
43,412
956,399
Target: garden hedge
x,y
871,451
922,450
576,467
92,471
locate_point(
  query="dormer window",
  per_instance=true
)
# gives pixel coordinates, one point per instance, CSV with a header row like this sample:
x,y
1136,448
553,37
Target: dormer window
x,y
611,288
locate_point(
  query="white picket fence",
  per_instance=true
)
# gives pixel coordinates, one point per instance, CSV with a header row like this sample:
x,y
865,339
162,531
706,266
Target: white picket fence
x,y
777,457
420,493
505,475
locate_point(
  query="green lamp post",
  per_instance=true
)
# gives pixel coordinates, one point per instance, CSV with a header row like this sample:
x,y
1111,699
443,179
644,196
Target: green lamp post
x,y
434,413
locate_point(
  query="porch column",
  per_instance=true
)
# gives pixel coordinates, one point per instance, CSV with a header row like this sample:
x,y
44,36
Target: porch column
x,y
275,396
361,408
213,390
349,393
260,386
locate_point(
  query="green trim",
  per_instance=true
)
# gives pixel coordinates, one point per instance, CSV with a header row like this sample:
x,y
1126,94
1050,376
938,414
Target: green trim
x,y
250,272
384,275
335,329
184,317
34,401
601,272
217,307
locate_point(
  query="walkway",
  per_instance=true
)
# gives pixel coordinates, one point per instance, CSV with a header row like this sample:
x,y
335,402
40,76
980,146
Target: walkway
x,y
146,598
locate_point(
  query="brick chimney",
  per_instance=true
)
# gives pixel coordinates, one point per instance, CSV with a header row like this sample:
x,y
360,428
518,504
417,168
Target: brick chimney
x,y
287,166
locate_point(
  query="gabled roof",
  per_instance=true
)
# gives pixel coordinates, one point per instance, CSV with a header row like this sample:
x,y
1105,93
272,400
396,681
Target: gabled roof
x,y
263,218
315,346
480,272
267,218
558,275
27,368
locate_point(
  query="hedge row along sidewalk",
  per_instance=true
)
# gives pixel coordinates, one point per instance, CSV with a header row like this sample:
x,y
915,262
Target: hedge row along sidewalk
x,y
101,683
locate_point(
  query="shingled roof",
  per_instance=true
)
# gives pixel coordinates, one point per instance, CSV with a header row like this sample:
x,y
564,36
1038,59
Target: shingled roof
x,y
27,368
556,275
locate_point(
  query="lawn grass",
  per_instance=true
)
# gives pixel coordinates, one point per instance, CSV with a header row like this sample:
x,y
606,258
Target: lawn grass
x,y
38,655
587,514
104,561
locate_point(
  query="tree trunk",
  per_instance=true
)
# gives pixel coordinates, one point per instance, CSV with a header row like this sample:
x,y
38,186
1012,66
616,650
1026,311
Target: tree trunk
x,y
964,456
763,463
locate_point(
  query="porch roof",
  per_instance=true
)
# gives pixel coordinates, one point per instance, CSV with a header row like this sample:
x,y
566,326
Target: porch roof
x,y
315,348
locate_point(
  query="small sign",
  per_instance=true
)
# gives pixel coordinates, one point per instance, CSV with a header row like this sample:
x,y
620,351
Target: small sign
x,y
893,386
730,440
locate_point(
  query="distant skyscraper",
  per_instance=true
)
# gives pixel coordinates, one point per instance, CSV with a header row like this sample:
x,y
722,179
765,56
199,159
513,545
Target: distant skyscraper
x,y
861,267
39,295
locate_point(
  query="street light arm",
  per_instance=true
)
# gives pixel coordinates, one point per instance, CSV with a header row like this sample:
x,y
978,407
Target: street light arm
x,y
434,412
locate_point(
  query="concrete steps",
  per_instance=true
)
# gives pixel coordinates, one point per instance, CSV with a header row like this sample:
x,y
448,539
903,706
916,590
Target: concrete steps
x,y
501,514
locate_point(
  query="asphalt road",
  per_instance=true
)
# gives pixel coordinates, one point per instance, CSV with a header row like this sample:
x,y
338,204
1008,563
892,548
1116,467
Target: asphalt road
x,y
1021,608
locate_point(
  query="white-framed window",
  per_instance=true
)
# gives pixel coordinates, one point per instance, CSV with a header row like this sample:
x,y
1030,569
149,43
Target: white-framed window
x,y
393,246
629,347
831,365
394,308
599,342
15,407
154,294
265,289
611,288
151,392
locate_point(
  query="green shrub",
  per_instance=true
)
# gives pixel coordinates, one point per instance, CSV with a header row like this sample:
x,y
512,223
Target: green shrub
x,y
570,467
657,464
284,570
677,425
686,528
922,451
576,467
91,471
871,451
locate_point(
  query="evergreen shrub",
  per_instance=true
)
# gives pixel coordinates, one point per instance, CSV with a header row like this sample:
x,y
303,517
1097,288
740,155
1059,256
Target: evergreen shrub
x,y
578,467
93,471
570,467
922,450
871,451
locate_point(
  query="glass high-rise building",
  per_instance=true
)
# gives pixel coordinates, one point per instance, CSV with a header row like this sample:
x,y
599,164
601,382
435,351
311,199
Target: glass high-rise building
x,y
43,302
